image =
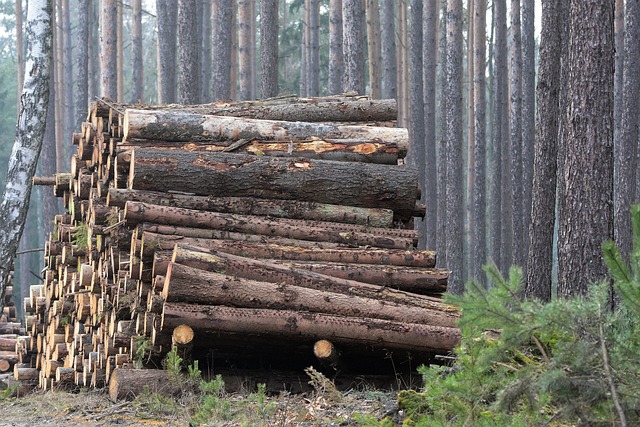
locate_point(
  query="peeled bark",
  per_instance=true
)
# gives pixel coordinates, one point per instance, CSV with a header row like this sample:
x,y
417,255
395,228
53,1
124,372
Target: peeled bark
x,y
288,325
192,285
294,209
136,212
222,174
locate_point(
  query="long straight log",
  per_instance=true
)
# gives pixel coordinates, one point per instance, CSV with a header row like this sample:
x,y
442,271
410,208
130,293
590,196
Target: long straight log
x,y
261,270
325,109
412,258
221,174
136,212
310,327
251,206
193,285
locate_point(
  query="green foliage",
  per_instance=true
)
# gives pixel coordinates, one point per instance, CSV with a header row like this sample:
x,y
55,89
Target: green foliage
x,y
174,365
80,236
142,346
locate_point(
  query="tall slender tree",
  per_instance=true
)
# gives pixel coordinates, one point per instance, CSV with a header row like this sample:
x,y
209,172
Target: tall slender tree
x,y
244,48
429,57
82,70
167,11
471,143
441,234
373,49
137,67
68,104
313,64
19,47
205,53
269,48
585,211
221,50
29,134
353,33
336,58
540,258
618,73
188,53
388,48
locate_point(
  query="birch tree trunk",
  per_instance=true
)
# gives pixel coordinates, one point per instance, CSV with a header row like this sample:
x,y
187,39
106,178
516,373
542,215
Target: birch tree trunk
x,y
82,76
167,20
269,48
353,39
188,70
430,45
29,134
221,50
336,60
19,47
137,65
388,49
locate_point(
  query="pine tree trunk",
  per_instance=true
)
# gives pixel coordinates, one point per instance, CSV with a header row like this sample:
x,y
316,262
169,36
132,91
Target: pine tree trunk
x,y
515,139
353,44
471,144
137,65
205,52
69,116
618,74
441,233
430,47
269,48
29,135
58,55
244,49
221,50
313,66
403,64
119,52
374,50
336,59
82,76
188,53
388,49
167,11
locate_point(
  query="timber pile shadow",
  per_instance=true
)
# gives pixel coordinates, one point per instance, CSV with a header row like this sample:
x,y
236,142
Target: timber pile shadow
x,y
253,237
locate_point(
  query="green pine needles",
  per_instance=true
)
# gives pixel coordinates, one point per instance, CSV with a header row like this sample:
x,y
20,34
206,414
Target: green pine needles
x,y
522,362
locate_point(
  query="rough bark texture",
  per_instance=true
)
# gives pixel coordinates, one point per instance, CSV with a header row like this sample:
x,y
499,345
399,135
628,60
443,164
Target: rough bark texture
x,y
373,48
167,28
244,49
585,212
626,149
137,68
313,65
69,118
368,185
388,48
205,52
353,44
336,58
441,232
540,259
453,117
82,70
249,206
479,241
528,116
618,73
119,52
221,50
515,136
29,135
188,53
269,48
429,185
108,50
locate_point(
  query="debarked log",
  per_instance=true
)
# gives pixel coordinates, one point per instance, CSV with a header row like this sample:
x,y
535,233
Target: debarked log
x,y
288,325
192,285
251,206
321,181
183,126
137,212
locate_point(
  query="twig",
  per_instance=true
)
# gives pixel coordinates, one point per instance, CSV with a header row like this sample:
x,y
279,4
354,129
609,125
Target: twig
x,y
28,251
541,348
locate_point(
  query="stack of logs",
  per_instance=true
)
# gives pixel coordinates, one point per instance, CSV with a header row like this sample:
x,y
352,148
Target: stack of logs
x,y
232,231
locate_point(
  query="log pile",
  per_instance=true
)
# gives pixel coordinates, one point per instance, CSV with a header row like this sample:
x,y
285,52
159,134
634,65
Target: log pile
x,y
245,232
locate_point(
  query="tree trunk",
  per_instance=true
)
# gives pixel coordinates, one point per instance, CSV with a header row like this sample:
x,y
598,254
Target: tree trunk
x,y
429,49
619,70
468,218
19,47
244,48
479,243
374,49
353,45
234,51
29,135
221,50
294,209
442,214
167,29
403,64
388,48
205,55
367,185
585,212
188,53
126,384
453,117
626,150
196,286
540,260
336,59
137,65
82,76
137,212
515,139
58,61
269,48
119,52
313,65
108,49
289,325
69,117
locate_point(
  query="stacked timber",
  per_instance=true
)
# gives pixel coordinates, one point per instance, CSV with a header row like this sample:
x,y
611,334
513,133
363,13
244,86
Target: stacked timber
x,y
242,232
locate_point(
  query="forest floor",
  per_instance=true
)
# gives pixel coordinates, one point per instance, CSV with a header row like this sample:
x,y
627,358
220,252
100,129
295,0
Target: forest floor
x,y
324,407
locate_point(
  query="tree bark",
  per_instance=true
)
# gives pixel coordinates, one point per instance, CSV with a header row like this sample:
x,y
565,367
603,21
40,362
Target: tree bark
x,y
108,50
188,53
374,49
353,45
388,49
429,49
268,48
19,47
205,52
442,214
313,65
126,384
167,11
244,49
119,52
196,286
221,50
249,206
137,66
619,70
367,185
515,138
336,57
82,73
288,325
29,135
136,212
585,212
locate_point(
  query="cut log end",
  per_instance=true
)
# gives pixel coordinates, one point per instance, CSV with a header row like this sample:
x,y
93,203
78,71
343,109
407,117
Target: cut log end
x,y
182,335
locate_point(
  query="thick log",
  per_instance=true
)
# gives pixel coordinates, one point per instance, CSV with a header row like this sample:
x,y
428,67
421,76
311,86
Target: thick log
x,y
327,354
137,212
192,285
126,384
326,109
409,258
261,270
251,206
44,180
418,280
309,327
321,181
